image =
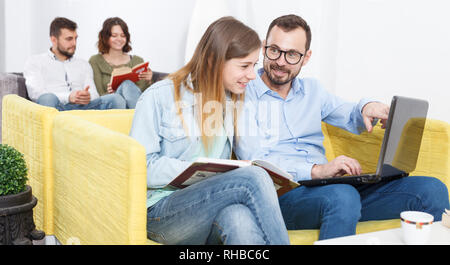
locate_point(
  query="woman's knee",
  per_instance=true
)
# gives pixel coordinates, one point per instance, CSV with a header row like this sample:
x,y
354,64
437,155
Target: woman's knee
x,y
128,87
255,174
114,101
127,83
252,184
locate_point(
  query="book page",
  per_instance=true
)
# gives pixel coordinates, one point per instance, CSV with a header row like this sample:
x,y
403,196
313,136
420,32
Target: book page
x,y
273,168
120,71
277,187
204,168
238,163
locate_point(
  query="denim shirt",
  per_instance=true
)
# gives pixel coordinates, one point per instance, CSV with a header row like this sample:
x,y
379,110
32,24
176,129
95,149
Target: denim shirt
x,y
288,132
170,148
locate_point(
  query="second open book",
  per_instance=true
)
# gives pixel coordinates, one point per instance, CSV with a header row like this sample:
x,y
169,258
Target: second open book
x,y
204,168
121,74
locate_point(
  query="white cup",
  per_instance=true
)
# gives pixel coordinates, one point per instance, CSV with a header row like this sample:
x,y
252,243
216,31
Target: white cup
x,y
416,227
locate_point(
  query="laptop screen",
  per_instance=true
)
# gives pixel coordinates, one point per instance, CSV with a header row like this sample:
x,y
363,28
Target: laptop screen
x,y
403,136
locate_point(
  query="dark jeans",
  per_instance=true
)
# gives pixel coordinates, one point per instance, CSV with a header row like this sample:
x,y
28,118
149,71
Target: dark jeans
x,y
337,208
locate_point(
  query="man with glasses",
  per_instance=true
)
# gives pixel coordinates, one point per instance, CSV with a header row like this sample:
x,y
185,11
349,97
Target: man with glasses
x,y
57,79
281,123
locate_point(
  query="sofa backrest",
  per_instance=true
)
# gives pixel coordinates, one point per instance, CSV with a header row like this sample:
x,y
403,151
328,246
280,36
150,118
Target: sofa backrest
x,y
118,120
14,83
364,147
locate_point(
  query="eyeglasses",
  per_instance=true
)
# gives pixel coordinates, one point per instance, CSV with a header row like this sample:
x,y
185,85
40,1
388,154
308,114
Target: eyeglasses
x,y
291,57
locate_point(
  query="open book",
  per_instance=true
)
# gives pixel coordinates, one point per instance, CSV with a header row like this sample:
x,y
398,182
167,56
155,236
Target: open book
x,y
203,168
121,74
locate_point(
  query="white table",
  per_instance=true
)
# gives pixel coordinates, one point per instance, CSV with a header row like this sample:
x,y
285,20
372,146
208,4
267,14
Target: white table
x,y
440,235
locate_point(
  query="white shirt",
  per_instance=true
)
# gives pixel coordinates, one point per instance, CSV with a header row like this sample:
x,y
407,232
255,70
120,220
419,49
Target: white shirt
x,y
44,73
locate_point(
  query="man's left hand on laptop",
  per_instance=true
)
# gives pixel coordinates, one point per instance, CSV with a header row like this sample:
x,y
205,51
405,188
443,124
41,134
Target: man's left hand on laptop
x,y
375,110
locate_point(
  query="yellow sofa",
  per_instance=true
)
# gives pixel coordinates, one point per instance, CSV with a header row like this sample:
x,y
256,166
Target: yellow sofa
x,y
28,127
95,182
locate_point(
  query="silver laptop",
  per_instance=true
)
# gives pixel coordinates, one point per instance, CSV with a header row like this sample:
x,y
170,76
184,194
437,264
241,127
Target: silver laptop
x,y
400,148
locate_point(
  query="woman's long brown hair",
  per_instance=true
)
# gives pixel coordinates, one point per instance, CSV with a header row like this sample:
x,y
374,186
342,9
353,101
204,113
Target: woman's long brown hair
x,y
225,39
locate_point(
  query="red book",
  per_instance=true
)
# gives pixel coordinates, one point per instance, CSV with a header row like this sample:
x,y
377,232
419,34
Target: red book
x,y
203,168
119,75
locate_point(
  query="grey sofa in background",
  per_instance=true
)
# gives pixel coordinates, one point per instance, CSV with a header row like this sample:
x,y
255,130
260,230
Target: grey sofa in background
x,y
11,83
14,83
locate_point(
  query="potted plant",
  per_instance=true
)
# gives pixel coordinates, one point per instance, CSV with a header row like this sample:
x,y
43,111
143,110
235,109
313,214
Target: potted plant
x,y
16,200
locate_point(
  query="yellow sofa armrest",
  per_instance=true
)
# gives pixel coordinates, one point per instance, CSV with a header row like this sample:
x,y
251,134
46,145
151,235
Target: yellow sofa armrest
x,y
27,127
100,184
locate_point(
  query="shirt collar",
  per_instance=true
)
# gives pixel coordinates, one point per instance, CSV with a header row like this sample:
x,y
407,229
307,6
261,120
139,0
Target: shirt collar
x,y
53,56
261,87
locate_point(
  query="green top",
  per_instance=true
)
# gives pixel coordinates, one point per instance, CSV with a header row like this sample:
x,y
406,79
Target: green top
x,y
102,72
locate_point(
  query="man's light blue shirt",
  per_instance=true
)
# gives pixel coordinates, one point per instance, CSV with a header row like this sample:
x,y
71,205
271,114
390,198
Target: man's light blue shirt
x,y
288,132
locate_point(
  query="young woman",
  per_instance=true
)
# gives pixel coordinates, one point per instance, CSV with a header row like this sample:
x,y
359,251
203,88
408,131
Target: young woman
x,y
113,47
187,116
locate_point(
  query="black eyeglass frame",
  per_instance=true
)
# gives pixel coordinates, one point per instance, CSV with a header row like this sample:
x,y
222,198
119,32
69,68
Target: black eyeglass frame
x,y
281,52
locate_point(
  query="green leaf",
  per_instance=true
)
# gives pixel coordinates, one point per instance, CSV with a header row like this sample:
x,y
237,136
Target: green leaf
x,y
13,171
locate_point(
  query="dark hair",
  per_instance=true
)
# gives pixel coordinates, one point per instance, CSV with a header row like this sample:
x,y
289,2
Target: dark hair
x,y
61,23
105,34
291,22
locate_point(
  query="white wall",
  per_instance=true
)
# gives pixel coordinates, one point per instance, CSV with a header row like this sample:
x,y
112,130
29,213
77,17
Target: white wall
x,y
399,47
258,15
158,28
2,34
361,48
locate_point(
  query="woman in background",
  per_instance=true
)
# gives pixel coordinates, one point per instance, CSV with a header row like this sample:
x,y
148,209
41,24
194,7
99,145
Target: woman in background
x,y
173,122
113,47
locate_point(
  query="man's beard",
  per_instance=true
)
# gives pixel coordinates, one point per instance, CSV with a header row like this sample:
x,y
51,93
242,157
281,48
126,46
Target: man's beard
x,y
269,67
66,53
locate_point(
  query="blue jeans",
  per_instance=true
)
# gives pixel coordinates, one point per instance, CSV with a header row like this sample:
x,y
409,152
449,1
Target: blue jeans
x,y
233,208
130,92
111,101
337,208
